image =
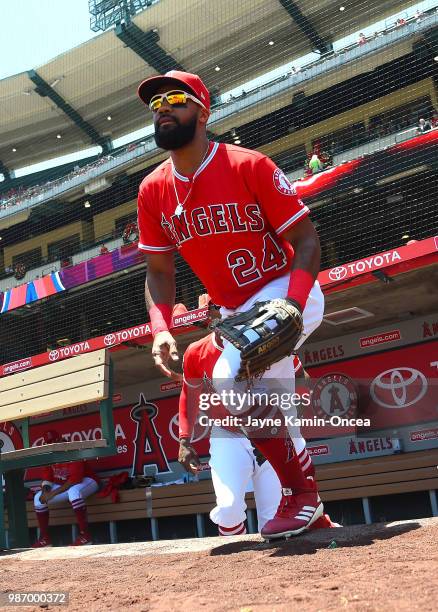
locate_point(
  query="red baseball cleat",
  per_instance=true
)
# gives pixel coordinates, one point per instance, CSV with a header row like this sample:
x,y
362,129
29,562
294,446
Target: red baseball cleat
x,y
42,543
324,522
83,539
295,514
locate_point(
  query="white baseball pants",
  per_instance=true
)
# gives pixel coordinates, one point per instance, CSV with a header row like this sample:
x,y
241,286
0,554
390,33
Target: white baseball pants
x,y
82,490
234,472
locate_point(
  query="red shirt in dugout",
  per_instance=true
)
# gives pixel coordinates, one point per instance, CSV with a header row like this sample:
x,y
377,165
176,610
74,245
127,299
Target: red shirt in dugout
x,y
232,214
76,471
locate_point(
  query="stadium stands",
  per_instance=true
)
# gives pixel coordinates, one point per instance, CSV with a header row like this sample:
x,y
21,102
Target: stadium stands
x,y
47,250
389,36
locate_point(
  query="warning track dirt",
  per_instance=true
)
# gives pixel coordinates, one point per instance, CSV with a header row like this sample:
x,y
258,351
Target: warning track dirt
x,y
384,566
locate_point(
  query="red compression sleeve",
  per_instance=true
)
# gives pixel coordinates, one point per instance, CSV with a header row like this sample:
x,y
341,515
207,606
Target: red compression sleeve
x,y
188,409
300,285
161,318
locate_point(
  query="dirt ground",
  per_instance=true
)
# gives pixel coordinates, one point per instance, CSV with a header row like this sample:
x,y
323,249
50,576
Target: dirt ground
x,y
391,567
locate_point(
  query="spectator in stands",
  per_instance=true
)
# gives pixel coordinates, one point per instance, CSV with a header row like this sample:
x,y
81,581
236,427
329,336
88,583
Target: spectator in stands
x,y
9,270
401,21
335,148
315,164
130,233
423,126
434,120
418,15
65,262
362,39
73,482
103,250
19,271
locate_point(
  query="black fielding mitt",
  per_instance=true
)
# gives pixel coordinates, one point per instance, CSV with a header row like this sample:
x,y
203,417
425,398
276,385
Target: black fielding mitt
x,y
274,341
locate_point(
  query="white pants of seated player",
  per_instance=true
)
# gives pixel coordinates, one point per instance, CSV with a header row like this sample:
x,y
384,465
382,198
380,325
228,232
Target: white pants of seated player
x,y
234,472
79,491
280,378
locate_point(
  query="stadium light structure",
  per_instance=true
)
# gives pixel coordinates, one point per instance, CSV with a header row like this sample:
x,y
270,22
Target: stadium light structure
x,y
105,14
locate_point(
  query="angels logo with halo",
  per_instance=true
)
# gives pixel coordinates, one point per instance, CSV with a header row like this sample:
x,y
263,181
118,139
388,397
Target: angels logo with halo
x,y
282,183
335,395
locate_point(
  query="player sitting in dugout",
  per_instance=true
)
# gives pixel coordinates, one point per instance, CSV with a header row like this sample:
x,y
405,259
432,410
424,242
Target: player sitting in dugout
x,y
73,482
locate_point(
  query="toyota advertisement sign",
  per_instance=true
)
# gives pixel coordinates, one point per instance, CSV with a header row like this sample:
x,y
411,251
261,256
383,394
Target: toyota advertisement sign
x,y
395,388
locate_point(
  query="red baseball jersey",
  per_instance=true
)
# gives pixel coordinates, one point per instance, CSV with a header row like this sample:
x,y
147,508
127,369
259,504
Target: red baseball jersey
x,y
227,220
76,471
199,360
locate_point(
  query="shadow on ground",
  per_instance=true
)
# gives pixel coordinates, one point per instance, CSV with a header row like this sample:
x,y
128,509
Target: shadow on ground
x,y
310,543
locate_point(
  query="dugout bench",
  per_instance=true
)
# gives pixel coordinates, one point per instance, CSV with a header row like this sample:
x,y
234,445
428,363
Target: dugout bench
x,y
347,480
357,479
80,380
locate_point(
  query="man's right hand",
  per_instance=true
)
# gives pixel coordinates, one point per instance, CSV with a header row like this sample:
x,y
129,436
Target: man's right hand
x,y
164,348
188,457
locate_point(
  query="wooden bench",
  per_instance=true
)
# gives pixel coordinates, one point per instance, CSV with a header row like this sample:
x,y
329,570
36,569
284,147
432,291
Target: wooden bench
x,y
132,505
357,479
195,498
80,380
365,478
152,503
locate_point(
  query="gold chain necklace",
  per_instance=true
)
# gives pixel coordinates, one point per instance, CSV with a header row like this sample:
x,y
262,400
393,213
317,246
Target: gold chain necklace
x,y
180,205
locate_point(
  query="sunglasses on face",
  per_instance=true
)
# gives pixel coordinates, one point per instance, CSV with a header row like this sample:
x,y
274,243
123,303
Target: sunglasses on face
x,y
173,98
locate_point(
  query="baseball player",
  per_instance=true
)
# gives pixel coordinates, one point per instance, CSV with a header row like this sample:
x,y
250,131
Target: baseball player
x,y
74,482
236,466
231,211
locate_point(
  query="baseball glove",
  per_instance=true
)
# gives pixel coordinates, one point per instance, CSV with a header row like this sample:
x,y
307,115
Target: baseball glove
x,y
278,325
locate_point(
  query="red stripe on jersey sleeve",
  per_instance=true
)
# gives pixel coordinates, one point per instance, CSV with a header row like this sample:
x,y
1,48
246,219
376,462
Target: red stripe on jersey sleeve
x,y
152,237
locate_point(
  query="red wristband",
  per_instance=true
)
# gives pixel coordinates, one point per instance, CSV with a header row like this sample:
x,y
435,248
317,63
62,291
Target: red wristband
x,y
300,285
161,318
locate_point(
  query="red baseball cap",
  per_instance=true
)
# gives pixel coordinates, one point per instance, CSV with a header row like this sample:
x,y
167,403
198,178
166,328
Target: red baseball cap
x,y
175,78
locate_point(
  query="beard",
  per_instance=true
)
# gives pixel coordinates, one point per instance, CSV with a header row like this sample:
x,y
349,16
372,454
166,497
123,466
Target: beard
x,y
175,136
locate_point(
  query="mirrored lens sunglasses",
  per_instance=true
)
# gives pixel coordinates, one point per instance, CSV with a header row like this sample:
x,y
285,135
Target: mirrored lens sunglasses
x,y
174,98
